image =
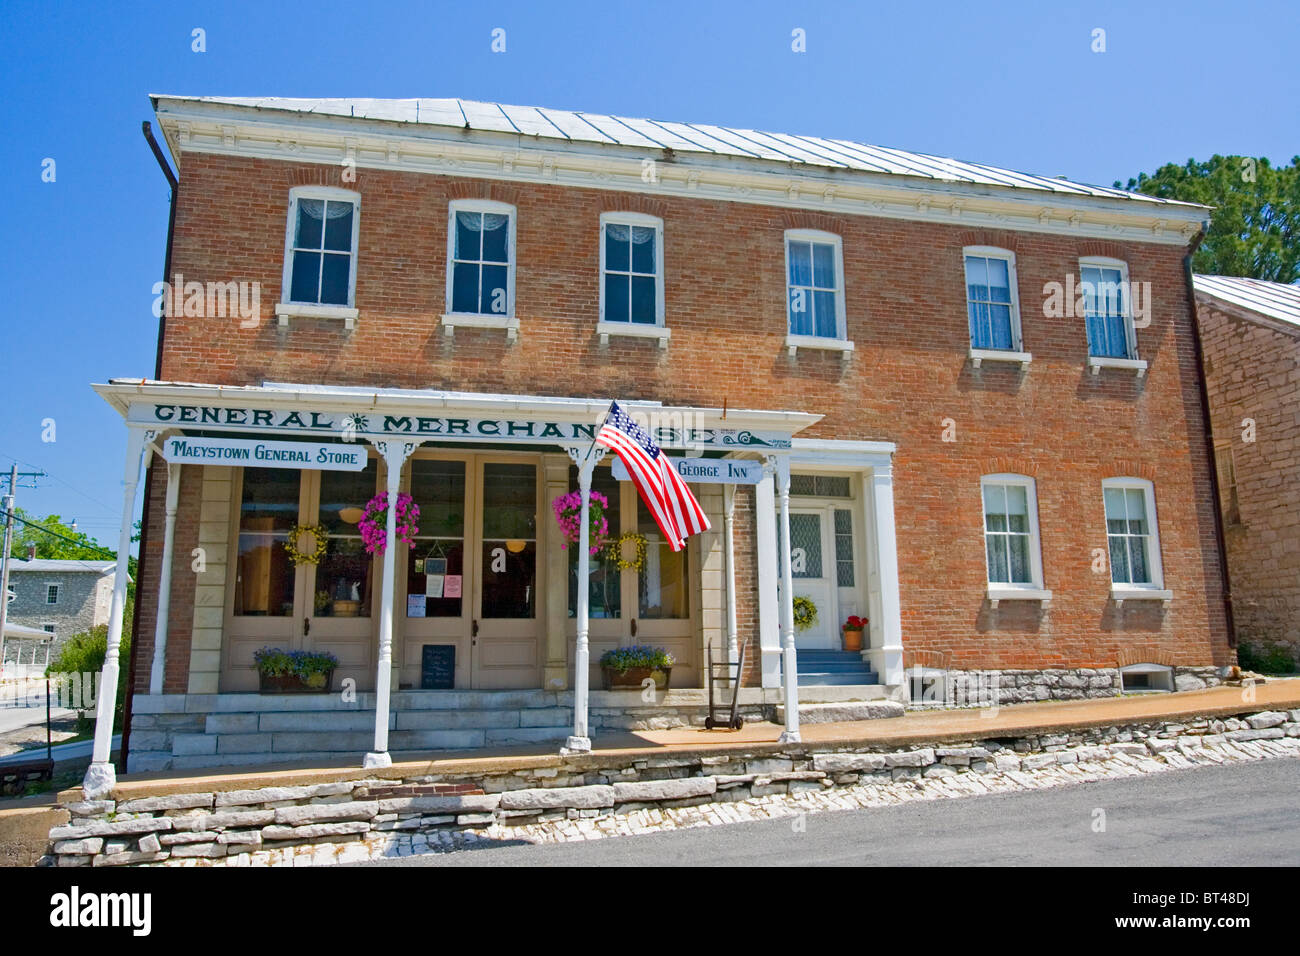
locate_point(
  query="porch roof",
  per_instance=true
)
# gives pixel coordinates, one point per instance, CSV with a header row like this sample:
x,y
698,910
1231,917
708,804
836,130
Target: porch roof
x,y
397,412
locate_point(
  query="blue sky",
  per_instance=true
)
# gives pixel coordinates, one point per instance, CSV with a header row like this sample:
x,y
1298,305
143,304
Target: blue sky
x,y
1010,84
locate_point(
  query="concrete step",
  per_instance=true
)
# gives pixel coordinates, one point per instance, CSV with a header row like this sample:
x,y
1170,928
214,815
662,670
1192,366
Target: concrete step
x,y
837,678
835,711
831,667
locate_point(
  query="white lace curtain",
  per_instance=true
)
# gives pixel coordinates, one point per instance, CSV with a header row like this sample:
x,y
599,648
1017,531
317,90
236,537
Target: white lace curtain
x,y
319,209
489,221
621,233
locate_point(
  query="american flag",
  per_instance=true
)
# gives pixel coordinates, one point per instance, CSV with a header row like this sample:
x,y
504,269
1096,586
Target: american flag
x,y
675,509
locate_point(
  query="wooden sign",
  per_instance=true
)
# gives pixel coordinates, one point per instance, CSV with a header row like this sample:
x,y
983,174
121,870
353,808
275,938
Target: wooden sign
x,y
707,471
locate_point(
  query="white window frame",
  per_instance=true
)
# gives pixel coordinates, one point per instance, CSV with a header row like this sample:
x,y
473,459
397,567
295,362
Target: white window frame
x,y
285,308
840,342
1154,590
1097,362
659,330
475,320
1016,353
58,590
1032,590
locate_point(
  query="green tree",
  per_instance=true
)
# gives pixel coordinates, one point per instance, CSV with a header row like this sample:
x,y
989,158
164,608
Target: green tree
x,y
84,654
56,541
1255,223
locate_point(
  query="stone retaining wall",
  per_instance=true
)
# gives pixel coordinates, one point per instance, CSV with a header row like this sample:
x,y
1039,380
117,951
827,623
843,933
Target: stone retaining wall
x,y
1023,686
254,827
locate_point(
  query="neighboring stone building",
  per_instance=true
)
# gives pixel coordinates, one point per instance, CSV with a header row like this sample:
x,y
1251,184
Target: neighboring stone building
x,y
1250,331
1000,475
61,597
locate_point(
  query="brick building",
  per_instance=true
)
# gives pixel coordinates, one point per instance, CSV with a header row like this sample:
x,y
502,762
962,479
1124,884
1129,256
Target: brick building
x,y
973,393
1250,331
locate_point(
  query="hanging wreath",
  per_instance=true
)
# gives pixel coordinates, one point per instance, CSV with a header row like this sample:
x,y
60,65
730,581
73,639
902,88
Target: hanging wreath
x,y
374,521
568,515
311,554
614,551
805,613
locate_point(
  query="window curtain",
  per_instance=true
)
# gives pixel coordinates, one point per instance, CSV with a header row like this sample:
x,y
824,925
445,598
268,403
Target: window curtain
x,y
321,209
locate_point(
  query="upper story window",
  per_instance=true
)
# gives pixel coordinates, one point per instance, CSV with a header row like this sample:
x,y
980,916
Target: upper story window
x,y
1110,321
814,284
1011,543
1132,533
631,269
481,257
51,594
321,246
992,303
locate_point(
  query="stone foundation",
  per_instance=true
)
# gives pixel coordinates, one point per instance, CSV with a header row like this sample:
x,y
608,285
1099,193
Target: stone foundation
x,y
244,827
984,688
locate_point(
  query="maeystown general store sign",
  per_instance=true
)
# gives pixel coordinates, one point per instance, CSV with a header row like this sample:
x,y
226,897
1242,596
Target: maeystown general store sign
x,y
266,454
371,425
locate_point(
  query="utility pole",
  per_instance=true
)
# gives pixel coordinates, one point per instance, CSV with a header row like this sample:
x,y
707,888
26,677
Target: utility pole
x,y
8,502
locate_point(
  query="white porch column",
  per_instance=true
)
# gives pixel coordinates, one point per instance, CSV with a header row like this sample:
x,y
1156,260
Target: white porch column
x,y
789,668
769,625
165,581
395,454
879,487
580,741
101,776
729,569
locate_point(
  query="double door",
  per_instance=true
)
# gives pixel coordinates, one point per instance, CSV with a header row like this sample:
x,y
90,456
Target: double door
x,y
329,604
467,601
651,604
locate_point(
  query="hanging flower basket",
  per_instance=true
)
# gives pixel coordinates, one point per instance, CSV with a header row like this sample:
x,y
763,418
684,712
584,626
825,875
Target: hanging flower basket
x,y
805,613
568,515
306,543
374,523
616,551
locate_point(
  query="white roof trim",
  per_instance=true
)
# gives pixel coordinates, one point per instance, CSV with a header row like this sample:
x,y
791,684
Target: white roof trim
x,y
530,144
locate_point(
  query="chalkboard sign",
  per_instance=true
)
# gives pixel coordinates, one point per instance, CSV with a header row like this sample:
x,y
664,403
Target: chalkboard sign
x,y
438,667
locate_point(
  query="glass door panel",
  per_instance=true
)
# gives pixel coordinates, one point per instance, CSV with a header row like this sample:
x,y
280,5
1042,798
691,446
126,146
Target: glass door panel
x,y
344,579
604,597
264,578
662,585
435,564
508,556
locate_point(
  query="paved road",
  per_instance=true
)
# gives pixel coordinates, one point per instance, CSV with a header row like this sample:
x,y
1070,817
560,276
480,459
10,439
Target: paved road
x,y
1247,814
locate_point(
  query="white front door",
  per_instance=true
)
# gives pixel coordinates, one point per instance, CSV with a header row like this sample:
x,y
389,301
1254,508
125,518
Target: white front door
x,y
812,565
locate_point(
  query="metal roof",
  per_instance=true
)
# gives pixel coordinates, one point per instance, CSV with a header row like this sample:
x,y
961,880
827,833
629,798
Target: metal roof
x,y
52,565
1271,299
573,126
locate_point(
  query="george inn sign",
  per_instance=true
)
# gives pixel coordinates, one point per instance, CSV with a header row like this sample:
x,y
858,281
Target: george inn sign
x,y
373,425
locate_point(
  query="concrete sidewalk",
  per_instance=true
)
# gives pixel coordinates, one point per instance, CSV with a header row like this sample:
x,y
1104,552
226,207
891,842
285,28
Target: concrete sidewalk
x,y
914,728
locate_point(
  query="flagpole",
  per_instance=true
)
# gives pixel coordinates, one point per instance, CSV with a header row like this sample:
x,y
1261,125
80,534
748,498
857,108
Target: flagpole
x,y
580,741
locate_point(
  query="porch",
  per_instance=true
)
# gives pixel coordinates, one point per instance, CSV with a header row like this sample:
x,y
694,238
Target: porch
x,y
484,599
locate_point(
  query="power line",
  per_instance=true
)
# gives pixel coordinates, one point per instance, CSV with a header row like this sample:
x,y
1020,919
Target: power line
x,y
91,547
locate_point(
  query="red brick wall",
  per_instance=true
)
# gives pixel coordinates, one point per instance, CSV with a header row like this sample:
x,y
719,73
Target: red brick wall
x,y
180,614
1253,372
725,295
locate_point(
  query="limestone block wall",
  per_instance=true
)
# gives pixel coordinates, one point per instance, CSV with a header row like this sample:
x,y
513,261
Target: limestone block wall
x,y
413,811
